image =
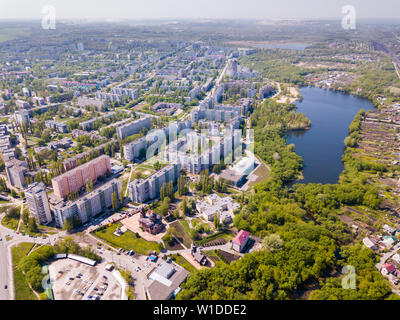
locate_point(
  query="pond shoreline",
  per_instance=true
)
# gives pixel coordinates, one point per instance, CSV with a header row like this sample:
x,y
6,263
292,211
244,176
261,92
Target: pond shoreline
x,y
322,144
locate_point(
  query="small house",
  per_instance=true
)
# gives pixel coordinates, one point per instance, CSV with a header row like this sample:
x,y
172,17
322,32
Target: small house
x,y
388,268
240,241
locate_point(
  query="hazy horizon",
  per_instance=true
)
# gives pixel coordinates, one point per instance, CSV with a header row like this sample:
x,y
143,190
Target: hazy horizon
x,y
105,10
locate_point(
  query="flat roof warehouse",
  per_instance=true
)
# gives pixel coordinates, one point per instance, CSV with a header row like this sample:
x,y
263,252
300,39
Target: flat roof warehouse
x,y
75,257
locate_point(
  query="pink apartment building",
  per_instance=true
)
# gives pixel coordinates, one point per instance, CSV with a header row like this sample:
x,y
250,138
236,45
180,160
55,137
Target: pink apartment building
x,y
75,179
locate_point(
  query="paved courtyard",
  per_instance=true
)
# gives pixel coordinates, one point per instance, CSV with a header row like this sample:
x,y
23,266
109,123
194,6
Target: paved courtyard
x,y
132,223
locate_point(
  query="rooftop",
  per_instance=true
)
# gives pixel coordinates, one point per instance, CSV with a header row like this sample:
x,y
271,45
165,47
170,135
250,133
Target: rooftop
x,y
241,237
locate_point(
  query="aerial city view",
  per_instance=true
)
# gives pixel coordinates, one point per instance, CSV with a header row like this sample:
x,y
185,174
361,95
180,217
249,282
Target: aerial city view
x,y
182,150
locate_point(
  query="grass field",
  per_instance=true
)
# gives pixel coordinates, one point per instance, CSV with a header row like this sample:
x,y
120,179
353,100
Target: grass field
x,y
262,172
11,223
127,241
182,233
182,262
22,289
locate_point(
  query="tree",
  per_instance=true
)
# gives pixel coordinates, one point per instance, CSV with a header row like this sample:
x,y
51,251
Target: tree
x,y
13,193
169,236
272,242
72,222
157,165
185,208
25,217
217,223
33,225
121,198
114,201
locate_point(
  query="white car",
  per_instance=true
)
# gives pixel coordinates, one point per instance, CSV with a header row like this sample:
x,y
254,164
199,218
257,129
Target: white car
x,y
68,283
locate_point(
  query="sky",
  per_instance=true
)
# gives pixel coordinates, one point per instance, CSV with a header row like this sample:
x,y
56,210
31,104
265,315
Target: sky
x,y
198,9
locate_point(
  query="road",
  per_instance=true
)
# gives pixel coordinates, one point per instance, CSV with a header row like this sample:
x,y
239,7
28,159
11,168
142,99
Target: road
x,y
386,256
6,272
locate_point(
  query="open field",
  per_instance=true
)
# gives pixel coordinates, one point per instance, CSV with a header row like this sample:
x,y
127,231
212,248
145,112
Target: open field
x,y
181,233
262,172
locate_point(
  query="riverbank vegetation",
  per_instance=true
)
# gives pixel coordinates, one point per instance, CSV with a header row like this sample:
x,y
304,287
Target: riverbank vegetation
x,y
315,244
270,121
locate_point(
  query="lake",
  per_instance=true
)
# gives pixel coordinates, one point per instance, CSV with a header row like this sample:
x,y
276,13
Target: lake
x,y
322,146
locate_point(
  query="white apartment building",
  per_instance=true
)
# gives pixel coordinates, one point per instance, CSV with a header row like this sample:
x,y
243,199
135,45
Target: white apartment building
x,y
38,203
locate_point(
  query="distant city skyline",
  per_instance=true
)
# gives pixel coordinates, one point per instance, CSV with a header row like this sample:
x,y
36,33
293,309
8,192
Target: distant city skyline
x,y
201,9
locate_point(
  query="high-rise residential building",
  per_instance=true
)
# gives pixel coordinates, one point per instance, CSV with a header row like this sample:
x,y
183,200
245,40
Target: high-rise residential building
x,y
87,206
22,116
133,127
38,203
76,179
265,91
132,150
71,163
141,190
183,151
16,171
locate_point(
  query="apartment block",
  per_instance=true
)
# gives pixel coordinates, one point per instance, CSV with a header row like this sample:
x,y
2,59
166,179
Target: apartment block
x,y
88,125
58,126
142,190
72,163
38,203
22,116
84,101
16,171
133,127
76,179
87,206
131,93
265,91
182,151
132,150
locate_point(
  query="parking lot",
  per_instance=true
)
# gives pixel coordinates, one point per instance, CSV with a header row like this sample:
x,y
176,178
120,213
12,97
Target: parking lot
x,y
73,280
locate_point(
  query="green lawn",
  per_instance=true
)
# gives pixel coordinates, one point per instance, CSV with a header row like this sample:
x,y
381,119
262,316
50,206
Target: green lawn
x,y
186,225
10,223
262,172
181,233
182,262
127,241
22,289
